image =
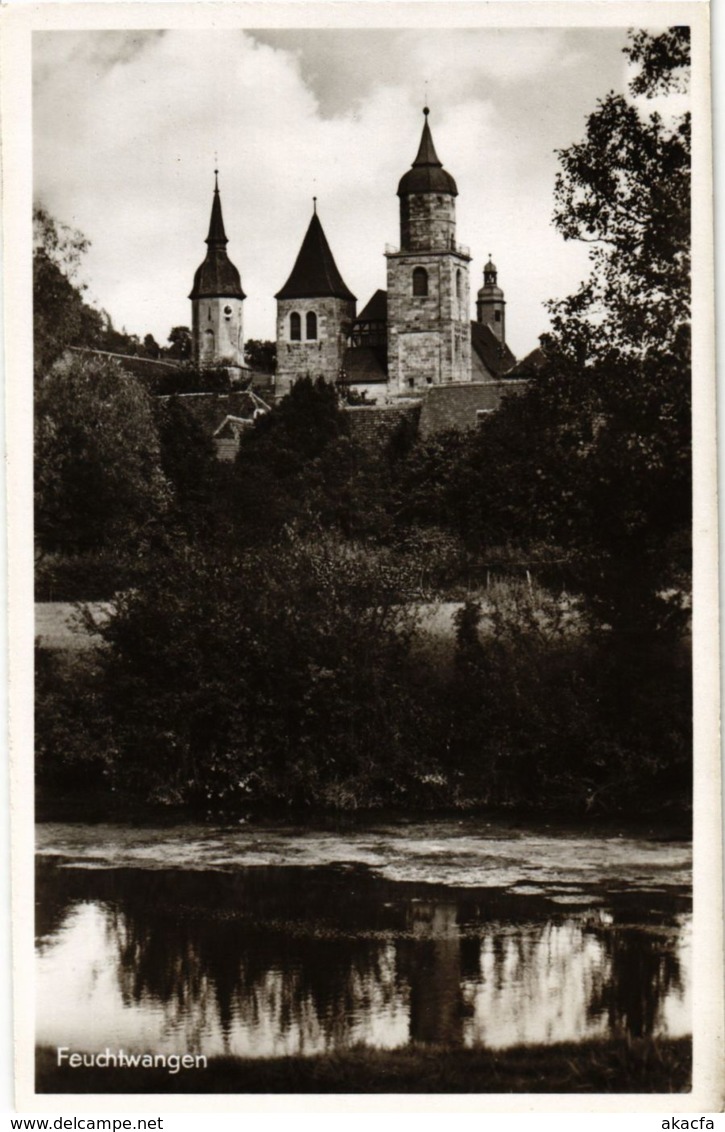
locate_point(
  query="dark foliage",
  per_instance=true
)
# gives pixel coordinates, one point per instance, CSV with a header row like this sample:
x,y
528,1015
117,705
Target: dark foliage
x,y
98,483
261,356
280,676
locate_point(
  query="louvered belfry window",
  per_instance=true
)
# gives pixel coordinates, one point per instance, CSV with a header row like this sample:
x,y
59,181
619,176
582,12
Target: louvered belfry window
x,y
295,327
311,327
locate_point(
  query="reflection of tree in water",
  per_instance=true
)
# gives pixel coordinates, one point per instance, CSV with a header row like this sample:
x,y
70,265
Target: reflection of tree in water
x,y
284,960
642,968
210,969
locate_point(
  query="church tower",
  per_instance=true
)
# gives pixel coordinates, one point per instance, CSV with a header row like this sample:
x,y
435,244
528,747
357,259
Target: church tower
x,y
490,303
315,313
429,333
216,300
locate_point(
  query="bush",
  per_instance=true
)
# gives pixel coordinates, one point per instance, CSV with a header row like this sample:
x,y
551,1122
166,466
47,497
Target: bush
x,y
552,712
281,676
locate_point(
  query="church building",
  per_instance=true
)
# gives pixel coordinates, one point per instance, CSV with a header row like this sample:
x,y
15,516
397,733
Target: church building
x,y
414,336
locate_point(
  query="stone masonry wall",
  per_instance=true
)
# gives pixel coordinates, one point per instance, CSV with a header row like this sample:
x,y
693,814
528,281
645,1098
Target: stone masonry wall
x,y
457,406
217,331
429,337
427,222
320,357
375,425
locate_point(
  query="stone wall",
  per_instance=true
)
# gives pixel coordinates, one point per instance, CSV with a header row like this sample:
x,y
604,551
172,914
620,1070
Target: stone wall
x,y
317,357
429,336
427,220
463,406
375,425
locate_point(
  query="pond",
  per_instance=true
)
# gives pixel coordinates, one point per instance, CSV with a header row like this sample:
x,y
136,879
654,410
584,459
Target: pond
x,y
262,940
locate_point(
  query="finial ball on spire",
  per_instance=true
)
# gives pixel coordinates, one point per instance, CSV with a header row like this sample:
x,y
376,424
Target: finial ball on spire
x,y
426,111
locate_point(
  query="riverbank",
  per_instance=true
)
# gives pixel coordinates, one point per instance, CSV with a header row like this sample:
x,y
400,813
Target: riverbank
x,y
616,1066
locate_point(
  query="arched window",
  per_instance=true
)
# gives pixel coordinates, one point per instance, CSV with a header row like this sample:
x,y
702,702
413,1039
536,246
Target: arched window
x,y
311,326
295,327
420,281
459,287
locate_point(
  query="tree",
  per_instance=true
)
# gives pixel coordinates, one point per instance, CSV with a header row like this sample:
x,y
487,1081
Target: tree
x,y
61,317
151,346
593,460
280,675
98,480
261,356
625,191
180,339
189,464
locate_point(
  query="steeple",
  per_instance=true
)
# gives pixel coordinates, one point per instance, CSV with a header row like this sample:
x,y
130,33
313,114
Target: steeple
x,y
490,302
427,174
217,277
490,274
315,273
217,235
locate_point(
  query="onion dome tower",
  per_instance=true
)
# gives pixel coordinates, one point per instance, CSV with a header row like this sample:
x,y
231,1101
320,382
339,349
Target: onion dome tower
x,y
216,299
429,336
315,312
490,303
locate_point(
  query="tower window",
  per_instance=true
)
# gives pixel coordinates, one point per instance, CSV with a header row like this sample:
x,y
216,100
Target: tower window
x,y
420,281
458,283
311,325
295,327
497,316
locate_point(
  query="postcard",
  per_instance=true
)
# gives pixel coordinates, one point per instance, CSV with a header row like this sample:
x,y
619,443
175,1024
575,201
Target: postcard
x,y
364,669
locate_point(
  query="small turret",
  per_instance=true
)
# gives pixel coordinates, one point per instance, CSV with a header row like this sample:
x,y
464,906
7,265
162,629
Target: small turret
x,y
490,303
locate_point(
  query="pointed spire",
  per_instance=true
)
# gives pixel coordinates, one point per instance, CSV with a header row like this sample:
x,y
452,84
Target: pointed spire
x,y
217,235
426,151
315,273
427,174
217,277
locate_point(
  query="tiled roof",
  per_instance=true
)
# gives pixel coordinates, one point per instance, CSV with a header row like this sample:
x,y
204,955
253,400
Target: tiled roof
x,y
497,358
315,273
427,174
364,365
376,310
533,361
217,277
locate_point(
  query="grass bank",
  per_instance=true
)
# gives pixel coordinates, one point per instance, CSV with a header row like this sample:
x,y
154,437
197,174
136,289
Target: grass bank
x,y
613,1066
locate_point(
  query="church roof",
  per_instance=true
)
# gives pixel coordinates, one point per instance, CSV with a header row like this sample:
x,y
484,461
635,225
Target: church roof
x,y
528,366
315,274
217,277
497,358
365,365
376,309
427,174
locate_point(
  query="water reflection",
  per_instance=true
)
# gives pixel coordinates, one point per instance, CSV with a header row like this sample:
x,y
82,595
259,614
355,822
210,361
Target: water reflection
x,y
272,961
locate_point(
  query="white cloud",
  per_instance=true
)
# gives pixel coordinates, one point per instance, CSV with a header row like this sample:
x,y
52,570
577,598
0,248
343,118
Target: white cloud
x,y
127,126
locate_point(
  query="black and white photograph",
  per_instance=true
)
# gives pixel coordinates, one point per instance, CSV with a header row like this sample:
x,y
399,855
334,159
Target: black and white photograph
x,y
357,554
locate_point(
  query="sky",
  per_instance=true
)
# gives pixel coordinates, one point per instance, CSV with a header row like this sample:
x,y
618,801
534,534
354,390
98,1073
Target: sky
x,y
129,126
